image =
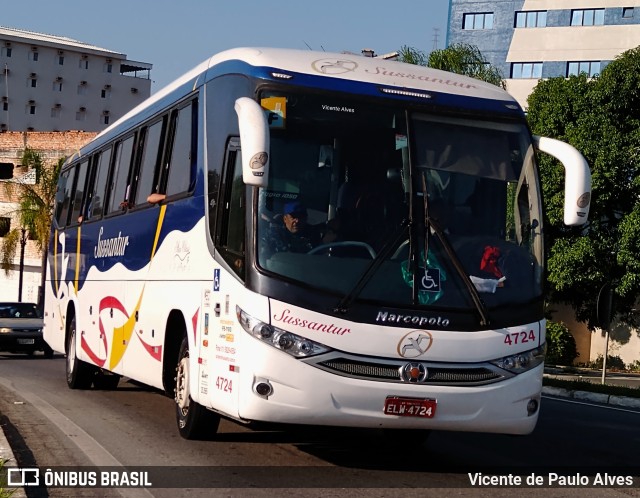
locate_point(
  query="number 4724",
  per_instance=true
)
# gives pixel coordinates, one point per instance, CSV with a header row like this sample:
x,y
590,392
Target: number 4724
x,y
519,337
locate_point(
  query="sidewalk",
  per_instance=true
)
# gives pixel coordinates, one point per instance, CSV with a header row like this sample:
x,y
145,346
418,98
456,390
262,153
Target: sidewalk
x,y
559,372
7,456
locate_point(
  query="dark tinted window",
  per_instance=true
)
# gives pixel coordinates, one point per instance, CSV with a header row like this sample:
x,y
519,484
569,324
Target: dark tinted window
x,y
118,196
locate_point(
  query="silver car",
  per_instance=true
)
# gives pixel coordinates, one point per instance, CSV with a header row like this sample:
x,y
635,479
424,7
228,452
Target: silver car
x,y
21,329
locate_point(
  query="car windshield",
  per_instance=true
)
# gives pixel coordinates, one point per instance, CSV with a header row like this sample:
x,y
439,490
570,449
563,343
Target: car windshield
x,y
358,194
18,310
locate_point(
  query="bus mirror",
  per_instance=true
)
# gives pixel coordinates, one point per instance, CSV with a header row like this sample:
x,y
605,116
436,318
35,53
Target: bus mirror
x,y
577,181
254,141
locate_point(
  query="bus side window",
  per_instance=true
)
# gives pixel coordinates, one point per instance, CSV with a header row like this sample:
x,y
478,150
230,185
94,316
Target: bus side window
x,y
98,184
78,193
231,229
146,178
181,151
63,196
118,187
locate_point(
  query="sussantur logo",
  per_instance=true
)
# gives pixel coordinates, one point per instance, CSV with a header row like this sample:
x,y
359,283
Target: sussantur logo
x,y
415,343
334,66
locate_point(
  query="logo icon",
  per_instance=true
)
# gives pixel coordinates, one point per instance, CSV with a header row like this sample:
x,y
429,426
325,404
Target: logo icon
x,y
415,343
334,66
414,372
23,477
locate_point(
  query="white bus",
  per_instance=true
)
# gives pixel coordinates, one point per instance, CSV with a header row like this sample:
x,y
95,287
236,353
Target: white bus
x,y
252,240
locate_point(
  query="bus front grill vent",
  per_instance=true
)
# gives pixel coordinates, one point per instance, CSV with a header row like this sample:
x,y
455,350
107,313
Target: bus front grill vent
x,y
390,371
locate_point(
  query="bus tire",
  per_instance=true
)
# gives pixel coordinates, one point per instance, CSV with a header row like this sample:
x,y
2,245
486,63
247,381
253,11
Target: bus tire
x,y
80,375
194,421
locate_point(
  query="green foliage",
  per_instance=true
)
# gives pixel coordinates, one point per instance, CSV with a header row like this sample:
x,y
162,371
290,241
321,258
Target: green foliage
x,y
613,363
412,55
600,117
35,206
4,492
460,58
561,346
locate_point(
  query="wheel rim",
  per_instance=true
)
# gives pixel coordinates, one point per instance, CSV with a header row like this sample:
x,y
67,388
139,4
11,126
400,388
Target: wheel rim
x,y
71,353
182,385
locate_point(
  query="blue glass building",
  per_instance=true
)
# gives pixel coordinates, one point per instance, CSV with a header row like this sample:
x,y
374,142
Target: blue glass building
x,y
532,39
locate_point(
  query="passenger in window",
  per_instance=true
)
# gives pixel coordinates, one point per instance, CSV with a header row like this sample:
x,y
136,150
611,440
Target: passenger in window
x,y
291,232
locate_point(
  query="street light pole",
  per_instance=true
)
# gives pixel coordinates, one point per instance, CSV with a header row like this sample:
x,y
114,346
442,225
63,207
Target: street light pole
x,y
23,243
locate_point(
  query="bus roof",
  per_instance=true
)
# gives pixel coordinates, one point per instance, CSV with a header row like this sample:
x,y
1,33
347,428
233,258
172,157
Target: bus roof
x,y
350,67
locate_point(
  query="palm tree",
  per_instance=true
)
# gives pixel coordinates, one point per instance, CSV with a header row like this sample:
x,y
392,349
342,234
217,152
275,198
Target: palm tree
x,y
460,58
34,209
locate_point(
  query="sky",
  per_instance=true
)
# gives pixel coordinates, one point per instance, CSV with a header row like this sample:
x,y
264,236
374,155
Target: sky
x,y
176,35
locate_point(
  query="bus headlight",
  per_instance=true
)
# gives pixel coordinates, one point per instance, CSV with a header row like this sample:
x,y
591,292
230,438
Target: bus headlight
x,y
295,345
521,362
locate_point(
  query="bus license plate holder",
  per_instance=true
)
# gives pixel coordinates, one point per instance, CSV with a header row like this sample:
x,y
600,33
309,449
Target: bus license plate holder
x,y
410,407
26,341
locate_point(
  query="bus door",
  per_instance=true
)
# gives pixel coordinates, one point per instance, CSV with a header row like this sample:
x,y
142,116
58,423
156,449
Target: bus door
x,y
220,333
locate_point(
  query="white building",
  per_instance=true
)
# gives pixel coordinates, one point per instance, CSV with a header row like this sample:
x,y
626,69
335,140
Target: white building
x,y
53,83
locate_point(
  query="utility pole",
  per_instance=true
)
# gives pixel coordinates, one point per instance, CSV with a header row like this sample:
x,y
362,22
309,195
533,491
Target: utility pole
x,y
23,243
435,38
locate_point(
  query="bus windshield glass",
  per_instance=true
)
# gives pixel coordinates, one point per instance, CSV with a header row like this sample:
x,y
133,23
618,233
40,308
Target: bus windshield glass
x,y
400,207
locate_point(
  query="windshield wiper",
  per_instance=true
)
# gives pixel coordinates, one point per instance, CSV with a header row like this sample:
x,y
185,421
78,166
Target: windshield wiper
x,y
345,302
431,224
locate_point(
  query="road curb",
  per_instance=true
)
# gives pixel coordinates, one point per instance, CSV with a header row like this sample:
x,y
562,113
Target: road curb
x,y
9,459
607,399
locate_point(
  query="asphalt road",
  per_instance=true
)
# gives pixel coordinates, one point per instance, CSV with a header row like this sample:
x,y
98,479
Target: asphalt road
x,y
50,426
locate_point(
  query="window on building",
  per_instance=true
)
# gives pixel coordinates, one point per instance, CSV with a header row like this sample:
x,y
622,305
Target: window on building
x,y
105,119
108,67
81,114
82,88
531,19
6,51
5,106
55,111
526,70
84,62
32,81
61,60
33,55
5,226
478,21
31,107
627,12
587,17
57,85
105,93
591,68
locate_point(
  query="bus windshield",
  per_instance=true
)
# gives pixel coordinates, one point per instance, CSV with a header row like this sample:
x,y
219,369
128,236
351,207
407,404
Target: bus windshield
x,y
404,208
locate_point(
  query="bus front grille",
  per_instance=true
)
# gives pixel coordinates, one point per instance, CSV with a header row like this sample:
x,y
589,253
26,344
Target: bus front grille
x,y
383,370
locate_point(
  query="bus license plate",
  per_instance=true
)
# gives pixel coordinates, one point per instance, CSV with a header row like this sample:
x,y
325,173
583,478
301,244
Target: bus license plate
x,y
410,407
26,341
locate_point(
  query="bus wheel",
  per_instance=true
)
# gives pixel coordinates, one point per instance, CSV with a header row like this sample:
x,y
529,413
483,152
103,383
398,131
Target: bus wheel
x,y
79,374
194,421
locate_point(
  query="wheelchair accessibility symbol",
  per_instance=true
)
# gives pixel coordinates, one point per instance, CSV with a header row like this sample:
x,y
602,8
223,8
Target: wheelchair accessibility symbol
x,y
430,280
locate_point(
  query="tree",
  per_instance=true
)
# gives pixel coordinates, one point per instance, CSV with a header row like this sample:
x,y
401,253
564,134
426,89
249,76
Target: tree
x,y
601,117
34,209
460,58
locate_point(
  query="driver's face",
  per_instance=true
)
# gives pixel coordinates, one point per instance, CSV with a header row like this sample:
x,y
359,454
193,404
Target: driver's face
x,y
294,221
